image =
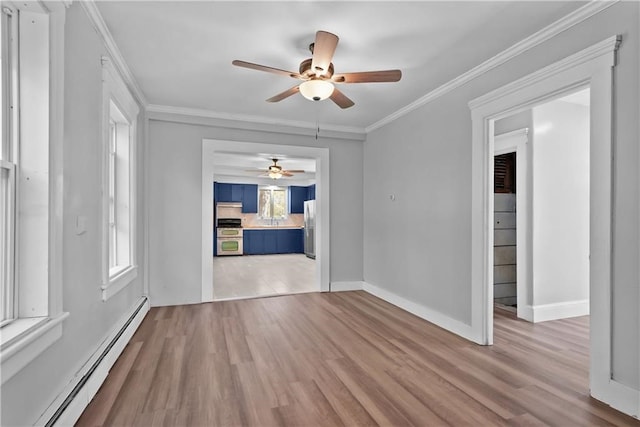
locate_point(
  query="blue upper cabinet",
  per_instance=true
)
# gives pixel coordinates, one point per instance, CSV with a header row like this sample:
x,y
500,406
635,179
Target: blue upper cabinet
x,y
237,192
222,192
311,192
297,196
250,198
247,194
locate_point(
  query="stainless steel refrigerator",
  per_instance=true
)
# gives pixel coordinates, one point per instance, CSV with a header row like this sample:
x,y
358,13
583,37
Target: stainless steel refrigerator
x,y
310,228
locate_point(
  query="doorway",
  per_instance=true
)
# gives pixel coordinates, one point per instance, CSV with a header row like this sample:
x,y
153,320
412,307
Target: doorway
x,y
541,210
263,220
322,226
590,67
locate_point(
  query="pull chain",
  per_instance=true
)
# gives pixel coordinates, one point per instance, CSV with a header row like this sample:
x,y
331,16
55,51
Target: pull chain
x,y
317,120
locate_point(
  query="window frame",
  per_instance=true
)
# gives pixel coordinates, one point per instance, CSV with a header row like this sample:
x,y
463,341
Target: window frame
x,y
38,134
118,108
272,189
8,160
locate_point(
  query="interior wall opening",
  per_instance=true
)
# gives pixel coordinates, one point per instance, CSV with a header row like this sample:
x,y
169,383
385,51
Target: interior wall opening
x,y
541,210
264,225
263,219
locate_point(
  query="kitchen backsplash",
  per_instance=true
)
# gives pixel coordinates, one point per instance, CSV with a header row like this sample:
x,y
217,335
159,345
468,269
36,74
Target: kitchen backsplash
x,y
252,220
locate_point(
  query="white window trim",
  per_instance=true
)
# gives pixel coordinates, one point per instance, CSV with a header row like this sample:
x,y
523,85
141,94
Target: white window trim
x,y
24,338
287,204
115,90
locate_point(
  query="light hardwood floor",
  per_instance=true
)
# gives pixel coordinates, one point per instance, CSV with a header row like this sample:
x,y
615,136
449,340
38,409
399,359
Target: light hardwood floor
x,y
263,275
344,359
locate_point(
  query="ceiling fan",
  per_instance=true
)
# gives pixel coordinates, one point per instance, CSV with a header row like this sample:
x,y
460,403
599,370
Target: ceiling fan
x,y
317,74
275,171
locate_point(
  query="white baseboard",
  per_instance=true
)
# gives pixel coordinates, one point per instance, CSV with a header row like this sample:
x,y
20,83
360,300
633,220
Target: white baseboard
x,y
619,396
561,310
525,312
346,286
95,370
452,325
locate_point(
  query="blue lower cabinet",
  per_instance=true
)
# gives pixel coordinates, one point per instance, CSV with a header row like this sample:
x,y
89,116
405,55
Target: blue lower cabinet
x,y
270,241
299,241
253,241
262,242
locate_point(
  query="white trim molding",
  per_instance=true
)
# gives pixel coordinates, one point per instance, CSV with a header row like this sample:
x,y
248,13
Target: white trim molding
x,y
559,310
96,19
422,311
548,32
592,67
21,350
346,286
516,142
248,122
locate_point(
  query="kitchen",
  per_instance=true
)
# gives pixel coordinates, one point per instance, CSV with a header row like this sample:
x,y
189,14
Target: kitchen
x,y
264,226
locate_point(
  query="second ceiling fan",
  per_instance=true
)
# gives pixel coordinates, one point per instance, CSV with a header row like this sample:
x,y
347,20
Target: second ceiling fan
x,y
317,74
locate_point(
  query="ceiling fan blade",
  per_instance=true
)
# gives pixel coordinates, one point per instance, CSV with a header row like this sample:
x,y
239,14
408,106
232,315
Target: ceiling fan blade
x,y
323,49
259,67
293,170
368,77
287,93
286,173
341,99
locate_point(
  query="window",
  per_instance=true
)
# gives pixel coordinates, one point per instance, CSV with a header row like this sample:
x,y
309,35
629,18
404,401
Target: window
x,y
272,202
8,167
31,129
119,118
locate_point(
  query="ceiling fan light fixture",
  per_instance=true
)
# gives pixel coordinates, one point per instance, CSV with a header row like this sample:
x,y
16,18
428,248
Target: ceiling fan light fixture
x,y
275,174
316,90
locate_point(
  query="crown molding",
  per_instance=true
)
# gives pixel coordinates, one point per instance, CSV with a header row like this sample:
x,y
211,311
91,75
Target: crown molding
x,y
548,32
249,122
94,15
605,48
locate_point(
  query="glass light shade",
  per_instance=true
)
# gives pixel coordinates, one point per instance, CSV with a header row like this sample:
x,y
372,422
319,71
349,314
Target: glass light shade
x,y
316,90
275,175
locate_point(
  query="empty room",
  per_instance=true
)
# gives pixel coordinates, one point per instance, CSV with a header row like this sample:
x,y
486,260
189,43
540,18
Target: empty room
x,y
252,213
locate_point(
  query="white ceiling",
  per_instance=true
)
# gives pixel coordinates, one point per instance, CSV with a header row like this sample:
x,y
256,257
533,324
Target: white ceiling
x,y
180,53
247,168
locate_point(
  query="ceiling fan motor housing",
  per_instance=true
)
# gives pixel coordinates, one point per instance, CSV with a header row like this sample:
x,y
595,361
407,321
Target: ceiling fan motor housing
x,y
305,70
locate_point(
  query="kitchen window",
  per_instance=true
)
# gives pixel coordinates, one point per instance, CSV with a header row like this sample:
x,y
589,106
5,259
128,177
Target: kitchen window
x,y
272,202
120,116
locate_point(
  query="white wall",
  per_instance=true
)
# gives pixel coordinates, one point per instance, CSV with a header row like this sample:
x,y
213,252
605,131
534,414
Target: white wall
x,y
418,246
175,200
29,393
560,204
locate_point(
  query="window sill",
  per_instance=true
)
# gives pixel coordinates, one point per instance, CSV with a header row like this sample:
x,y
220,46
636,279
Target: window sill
x,y
25,339
118,281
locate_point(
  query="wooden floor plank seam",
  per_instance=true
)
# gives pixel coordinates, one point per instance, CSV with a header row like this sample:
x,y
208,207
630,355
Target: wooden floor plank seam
x,y
348,358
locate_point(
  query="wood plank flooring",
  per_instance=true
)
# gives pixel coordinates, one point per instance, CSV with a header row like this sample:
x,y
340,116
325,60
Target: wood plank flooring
x,y
344,358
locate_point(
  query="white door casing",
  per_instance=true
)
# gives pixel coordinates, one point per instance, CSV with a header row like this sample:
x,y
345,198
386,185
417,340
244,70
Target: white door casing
x,y
516,142
591,67
321,155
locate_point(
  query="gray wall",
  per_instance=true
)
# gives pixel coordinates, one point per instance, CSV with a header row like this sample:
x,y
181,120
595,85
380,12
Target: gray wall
x,y
418,246
175,201
29,393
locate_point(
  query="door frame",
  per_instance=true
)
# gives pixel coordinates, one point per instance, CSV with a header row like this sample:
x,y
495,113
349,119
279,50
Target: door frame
x,y
321,156
591,67
516,142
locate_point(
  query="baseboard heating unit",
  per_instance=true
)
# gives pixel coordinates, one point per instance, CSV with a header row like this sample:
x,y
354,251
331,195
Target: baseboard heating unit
x,y
71,402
